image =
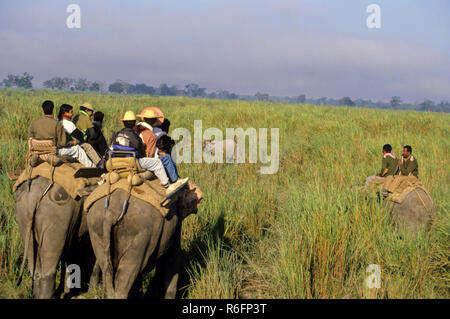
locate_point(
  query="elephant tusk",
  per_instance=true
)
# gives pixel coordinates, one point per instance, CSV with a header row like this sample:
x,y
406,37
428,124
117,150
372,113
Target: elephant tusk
x,y
46,190
106,204
124,209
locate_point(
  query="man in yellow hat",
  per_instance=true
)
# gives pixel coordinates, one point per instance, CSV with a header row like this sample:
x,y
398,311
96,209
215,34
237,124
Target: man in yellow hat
x,y
145,130
128,140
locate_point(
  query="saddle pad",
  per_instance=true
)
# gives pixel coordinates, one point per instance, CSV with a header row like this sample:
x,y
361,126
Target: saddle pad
x,y
150,191
399,187
63,176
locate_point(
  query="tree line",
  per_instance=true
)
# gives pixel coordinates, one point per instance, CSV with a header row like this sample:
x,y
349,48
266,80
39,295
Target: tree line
x,y
194,90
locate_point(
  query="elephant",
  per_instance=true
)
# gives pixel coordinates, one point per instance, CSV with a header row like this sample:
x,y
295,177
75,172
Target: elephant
x,y
138,242
417,211
53,229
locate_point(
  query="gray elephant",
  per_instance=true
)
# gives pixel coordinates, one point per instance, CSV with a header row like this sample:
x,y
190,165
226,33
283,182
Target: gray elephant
x,y
53,229
416,211
141,240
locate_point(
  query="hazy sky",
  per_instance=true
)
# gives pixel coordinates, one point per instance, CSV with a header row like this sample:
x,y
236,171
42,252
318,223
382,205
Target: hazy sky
x,y
280,47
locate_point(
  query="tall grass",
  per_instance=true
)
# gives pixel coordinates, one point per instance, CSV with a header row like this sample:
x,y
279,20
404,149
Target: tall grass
x,y
304,232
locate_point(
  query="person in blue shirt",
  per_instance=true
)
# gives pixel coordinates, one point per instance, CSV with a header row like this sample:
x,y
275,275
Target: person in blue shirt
x,y
165,145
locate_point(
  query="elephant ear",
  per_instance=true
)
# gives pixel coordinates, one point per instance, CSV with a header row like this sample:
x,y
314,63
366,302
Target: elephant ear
x,y
190,199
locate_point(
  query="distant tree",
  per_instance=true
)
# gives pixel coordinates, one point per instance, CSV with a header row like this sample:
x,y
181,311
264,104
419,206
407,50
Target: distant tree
x,y
95,87
212,95
81,84
67,84
301,99
119,87
164,90
174,91
395,102
360,102
23,81
48,84
143,89
443,106
322,101
194,90
347,101
131,89
58,83
426,105
10,81
225,95
262,96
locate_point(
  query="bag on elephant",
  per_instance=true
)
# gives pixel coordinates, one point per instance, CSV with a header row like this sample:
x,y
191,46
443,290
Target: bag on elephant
x,y
123,165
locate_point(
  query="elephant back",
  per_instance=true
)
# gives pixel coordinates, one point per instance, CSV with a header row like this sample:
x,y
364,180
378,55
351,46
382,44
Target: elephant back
x,y
149,191
62,175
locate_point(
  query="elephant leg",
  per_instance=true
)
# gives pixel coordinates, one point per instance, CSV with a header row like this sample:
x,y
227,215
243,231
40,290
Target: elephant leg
x,y
51,238
130,266
95,276
43,285
167,270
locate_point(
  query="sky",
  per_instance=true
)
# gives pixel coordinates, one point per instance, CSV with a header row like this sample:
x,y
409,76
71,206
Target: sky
x,y
280,47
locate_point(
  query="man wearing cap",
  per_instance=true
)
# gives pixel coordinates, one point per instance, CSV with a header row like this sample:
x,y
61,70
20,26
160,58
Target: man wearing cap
x,y
47,128
84,123
145,131
160,127
128,140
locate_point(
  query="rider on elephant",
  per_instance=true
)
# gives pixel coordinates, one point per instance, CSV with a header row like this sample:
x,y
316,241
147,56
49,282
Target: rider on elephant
x,y
408,164
388,167
47,128
74,135
128,140
388,163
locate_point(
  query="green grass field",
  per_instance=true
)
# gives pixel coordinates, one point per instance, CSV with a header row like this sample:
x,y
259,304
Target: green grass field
x,y
304,232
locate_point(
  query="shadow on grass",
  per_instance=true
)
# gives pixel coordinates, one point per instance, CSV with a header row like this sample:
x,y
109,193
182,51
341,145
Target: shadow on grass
x,y
198,248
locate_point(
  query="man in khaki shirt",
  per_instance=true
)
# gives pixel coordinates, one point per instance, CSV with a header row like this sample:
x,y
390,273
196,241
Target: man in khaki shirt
x,y
389,162
388,167
408,164
48,128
